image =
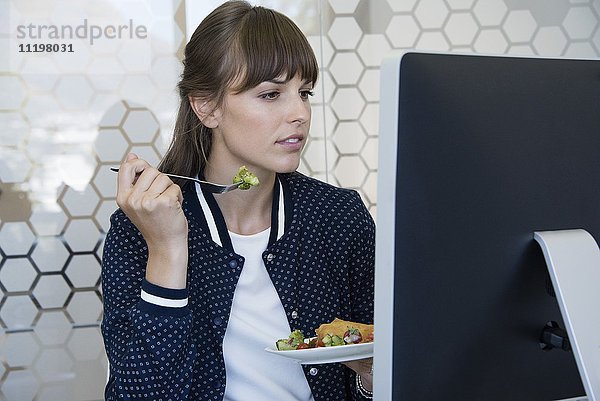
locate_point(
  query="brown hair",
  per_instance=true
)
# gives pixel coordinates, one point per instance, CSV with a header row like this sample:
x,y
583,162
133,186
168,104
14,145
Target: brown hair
x,y
236,47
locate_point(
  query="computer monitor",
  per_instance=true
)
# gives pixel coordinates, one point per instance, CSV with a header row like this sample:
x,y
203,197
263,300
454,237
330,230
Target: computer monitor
x,y
476,154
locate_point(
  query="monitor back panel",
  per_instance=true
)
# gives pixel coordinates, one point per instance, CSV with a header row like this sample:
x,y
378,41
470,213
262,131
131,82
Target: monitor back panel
x,y
490,149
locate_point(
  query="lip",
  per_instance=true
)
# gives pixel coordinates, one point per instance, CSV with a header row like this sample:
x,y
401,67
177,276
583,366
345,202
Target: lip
x,y
292,142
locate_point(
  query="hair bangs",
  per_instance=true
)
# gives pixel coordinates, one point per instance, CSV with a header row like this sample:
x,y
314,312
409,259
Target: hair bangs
x,y
271,46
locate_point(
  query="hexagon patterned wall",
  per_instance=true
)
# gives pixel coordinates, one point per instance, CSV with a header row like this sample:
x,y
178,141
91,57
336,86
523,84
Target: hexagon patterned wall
x,y
66,118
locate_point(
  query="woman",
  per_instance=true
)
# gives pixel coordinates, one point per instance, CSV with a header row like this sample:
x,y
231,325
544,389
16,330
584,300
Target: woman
x,y
197,285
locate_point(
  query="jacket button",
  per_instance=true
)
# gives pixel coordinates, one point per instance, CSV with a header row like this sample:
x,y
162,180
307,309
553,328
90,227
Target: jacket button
x,y
313,371
217,321
270,257
216,384
233,263
294,315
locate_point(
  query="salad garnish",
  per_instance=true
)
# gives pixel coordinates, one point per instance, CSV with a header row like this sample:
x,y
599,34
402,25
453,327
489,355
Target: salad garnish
x,y
247,178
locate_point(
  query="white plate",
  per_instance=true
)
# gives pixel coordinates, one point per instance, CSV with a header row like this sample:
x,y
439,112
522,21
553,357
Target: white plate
x,y
340,353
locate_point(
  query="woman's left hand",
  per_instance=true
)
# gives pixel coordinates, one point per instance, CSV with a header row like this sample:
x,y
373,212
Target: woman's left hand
x,y
363,367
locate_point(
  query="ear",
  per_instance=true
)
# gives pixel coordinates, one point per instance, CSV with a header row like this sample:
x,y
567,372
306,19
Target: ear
x,y
206,111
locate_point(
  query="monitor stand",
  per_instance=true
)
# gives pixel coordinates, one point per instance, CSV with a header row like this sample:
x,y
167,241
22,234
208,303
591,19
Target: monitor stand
x,y
573,260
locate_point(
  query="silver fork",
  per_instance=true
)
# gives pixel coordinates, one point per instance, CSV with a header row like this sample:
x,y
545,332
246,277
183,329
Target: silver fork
x,y
209,186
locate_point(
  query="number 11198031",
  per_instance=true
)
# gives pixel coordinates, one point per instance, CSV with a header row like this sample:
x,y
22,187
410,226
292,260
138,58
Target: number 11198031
x,y
45,48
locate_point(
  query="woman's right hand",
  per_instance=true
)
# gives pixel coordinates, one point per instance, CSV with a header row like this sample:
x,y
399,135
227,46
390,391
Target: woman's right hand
x,y
153,203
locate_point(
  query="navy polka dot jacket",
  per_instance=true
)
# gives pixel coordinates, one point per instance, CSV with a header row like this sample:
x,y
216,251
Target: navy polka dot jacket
x,y
322,267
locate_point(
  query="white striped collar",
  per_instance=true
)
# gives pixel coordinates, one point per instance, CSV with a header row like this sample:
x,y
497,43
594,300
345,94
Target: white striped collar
x,y
212,221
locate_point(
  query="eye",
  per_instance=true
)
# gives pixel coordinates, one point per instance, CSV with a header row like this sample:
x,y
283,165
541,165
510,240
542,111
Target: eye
x,y
270,95
304,94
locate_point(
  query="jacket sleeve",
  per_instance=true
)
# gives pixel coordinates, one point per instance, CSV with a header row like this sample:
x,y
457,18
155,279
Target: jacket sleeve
x,y
362,274
361,263
146,328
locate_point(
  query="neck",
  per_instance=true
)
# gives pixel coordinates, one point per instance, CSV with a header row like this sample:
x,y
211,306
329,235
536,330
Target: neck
x,y
245,212
248,212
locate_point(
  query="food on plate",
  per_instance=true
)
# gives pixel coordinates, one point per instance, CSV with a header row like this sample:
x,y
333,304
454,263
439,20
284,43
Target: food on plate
x,y
331,340
292,342
351,332
248,179
353,336
338,332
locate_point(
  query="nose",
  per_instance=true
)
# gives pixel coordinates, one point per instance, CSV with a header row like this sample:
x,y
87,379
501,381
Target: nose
x,y
299,111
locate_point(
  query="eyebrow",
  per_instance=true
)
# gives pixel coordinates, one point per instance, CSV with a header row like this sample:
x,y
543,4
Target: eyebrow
x,y
283,81
277,81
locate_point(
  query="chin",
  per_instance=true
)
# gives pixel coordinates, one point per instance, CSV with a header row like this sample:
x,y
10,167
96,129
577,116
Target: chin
x,y
286,170
288,167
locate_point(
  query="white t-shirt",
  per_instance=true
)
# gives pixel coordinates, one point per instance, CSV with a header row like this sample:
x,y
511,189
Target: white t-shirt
x,y
257,320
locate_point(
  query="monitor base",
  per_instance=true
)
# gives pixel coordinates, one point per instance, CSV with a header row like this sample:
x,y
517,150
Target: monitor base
x,y
573,260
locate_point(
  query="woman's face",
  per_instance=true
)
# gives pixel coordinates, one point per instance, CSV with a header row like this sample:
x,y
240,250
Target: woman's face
x,y
265,127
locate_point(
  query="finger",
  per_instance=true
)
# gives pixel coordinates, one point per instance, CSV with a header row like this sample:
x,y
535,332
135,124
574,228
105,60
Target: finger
x,y
351,364
127,178
174,191
131,156
160,183
128,172
360,366
145,180
169,199
177,191
365,361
